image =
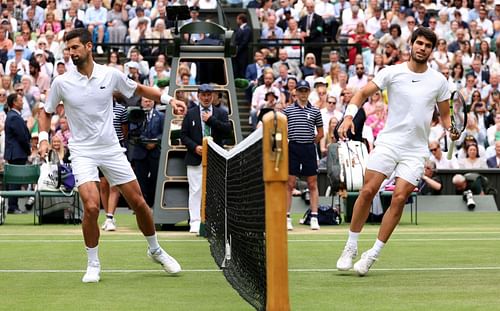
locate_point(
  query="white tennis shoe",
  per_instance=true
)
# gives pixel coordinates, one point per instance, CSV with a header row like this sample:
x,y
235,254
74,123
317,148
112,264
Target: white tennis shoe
x,y
314,223
363,265
289,225
93,271
344,263
109,225
168,262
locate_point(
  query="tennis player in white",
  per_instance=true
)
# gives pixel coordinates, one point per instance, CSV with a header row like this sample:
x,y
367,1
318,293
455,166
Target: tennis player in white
x,y
86,94
414,89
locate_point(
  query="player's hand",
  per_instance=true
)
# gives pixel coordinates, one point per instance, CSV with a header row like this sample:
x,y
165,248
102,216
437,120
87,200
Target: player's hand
x,y
454,133
346,126
178,105
43,148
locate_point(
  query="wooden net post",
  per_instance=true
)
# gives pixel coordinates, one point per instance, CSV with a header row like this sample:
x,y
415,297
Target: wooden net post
x,y
275,170
204,159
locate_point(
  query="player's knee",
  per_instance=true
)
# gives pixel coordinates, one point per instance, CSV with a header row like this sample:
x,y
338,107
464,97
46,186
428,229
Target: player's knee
x,y
91,211
398,199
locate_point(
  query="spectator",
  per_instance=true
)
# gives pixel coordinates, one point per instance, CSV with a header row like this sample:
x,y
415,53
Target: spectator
x,y
329,112
41,79
377,120
259,95
318,97
305,130
292,65
430,183
440,160
36,10
488,91
243,37
370,105
472,159
95,21
50,23
116,19
200,121
17,142
384,29
328,138
325,9
114,61
457,77
394,37
487,57
443,24
442,56
55,11
31,93
359,36
373,23
312,26
21,64
482,76
484,22
52,46
360,79
309,65
135,56
494,161
334,60
146,153
493,132
391,54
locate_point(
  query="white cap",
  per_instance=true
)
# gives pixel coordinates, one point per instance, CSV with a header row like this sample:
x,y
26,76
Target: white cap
x,y
38,52
320,80
133,64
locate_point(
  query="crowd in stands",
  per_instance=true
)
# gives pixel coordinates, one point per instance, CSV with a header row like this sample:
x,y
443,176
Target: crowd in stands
x,y
33,53
467,54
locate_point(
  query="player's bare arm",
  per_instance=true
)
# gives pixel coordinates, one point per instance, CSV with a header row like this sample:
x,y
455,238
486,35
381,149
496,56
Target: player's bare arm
x,y
44,128
444,112
156,95
319,135
357,100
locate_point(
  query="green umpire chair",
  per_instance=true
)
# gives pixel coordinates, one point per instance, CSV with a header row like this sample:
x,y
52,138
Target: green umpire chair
x,y
19,175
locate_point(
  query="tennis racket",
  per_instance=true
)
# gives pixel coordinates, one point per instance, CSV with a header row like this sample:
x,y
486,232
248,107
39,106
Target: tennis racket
x,y
456,101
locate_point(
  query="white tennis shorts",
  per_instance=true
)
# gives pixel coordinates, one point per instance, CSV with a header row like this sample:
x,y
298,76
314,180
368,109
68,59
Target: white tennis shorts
x,y
114,165
404,163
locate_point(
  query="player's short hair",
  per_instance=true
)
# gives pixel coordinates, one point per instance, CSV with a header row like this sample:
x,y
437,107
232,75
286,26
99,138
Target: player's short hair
x,y
82,33
426,33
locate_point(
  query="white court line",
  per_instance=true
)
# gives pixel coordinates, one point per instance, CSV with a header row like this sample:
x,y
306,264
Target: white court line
x,y
289,270
160,234
289,241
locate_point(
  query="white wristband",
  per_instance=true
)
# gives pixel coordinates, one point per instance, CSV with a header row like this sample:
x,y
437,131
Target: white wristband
x,y
351,110
165,98
42,136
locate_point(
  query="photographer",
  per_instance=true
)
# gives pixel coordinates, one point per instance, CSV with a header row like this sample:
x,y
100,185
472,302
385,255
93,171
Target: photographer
x,y
146,152
468,185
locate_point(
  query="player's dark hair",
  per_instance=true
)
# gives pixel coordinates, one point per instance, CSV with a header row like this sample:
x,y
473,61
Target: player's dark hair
x,y
82,33
426,33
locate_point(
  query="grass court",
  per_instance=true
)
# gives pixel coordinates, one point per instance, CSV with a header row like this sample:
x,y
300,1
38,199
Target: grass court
x,y
450,261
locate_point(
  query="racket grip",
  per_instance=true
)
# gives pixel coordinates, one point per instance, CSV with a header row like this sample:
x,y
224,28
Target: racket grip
x,y
450,150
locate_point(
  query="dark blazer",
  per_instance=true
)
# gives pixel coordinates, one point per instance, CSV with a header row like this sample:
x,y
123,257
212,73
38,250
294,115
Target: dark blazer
x,y
317,28
242,39
153,129
17,137
492,162
191,134
251,71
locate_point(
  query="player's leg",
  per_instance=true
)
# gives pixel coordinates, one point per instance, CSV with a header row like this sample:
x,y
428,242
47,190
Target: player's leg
x,y
89,195
104,191
408,172
292,180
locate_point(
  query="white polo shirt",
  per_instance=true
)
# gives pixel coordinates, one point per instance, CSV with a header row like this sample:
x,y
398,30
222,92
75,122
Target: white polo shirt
x,y
412,98
88,104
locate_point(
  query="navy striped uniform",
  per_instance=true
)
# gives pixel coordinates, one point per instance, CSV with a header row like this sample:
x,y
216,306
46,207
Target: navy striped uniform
x,y
119,118
302,124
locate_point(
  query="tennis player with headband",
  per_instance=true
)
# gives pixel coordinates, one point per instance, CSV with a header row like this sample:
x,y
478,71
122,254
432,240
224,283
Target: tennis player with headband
x,y
414,89
86,94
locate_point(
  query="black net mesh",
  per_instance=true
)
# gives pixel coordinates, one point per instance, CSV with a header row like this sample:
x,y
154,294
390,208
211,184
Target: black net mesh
x,y
235,214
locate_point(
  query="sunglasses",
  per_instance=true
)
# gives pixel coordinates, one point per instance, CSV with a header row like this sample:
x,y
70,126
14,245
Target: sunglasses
x,y
333,103
433,149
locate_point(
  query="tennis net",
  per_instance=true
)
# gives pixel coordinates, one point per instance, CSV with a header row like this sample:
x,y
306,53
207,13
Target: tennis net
x,y
237,207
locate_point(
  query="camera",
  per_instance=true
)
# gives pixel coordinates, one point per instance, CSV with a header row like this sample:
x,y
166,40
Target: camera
x,y
469,200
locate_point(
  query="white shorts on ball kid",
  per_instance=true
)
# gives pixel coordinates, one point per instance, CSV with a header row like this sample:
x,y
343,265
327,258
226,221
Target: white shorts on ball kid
x,y
406,164
114,165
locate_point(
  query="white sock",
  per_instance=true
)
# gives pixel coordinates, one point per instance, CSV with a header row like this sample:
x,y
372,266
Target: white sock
x,y
377,248
353,238
92,253
153,243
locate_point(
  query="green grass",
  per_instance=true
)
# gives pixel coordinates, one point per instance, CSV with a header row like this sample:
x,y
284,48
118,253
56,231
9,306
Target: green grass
x,y
450,261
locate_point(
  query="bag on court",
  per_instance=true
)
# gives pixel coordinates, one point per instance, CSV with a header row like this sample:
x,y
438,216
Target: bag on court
x,y
352,157
48,180
327,215
333,167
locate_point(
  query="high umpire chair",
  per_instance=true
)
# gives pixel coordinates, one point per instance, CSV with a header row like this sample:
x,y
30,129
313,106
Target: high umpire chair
x,y
19,175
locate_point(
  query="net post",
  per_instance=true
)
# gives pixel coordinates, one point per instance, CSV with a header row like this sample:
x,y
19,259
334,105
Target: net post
x,y
204,160
275,176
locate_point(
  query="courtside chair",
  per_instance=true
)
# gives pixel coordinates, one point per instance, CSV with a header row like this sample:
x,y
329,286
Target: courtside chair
x,y
19,175
76,210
